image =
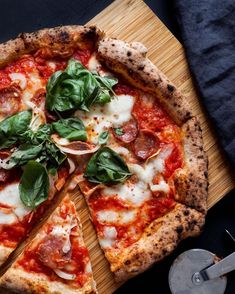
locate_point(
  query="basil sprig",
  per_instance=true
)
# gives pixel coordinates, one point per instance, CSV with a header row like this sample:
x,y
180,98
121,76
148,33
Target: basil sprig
x,y
34,184
77,88
103,137
12,128
71,129
107,167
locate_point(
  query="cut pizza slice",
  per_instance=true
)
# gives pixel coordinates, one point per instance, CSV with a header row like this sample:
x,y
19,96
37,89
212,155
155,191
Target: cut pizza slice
x,y
56,260
26,126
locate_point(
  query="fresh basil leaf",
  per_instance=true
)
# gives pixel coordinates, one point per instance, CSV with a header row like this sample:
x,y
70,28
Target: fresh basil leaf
x,y
54,155
41,135
77,88
71,129
63,92
107,82
103,137
23,154
34,184
118,131
13,127
107,167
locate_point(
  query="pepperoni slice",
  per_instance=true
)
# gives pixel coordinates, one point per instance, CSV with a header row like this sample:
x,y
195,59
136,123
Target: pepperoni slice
x,y
145,144
127,133
10,99
51,254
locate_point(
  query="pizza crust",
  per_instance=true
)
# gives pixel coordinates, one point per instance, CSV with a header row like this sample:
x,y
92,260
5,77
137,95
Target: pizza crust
x,y
191,182
20,281
159,240
59,38
129,60
4,253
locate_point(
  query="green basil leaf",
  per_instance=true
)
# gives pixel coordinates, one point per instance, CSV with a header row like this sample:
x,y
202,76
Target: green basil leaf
x,y
13,127
40,136
63,92
103,137
71,129
54,155
107,167
77,88
34,184
23,154
118,131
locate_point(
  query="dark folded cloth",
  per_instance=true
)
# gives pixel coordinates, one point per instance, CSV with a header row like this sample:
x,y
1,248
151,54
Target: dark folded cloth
x,y
208,34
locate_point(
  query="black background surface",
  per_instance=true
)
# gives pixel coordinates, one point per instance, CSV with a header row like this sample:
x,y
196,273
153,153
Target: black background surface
x,y
29,15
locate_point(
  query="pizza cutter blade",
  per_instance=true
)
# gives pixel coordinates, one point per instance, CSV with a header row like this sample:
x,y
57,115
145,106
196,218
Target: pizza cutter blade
x,y
195,272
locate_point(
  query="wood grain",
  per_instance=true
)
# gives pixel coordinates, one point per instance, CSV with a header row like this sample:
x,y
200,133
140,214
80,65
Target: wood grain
x,y
132,20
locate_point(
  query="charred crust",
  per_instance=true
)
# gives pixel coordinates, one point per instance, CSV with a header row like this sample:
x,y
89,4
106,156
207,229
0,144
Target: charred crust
x,y
170,87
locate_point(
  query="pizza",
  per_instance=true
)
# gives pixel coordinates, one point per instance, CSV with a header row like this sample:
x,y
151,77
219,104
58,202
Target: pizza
x,y
80,108
56,260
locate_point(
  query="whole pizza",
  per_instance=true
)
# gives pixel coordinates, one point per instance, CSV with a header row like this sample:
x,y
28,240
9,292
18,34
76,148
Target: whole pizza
x,y
81,109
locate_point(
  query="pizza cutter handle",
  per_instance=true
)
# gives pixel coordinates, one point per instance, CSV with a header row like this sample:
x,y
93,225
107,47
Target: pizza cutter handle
x,y
219,269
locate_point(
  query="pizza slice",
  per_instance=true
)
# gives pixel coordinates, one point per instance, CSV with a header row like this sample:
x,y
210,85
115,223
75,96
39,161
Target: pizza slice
x,y
32,168
56,260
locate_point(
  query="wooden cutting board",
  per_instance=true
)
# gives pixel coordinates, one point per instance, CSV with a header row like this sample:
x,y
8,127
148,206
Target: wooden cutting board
x,y
132,20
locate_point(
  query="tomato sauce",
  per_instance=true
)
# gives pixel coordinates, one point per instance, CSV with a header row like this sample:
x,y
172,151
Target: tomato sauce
x,y
5,81
148,212
174,161
83,56
11,235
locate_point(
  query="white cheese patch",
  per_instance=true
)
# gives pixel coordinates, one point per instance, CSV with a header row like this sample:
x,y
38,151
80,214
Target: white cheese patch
x,y
19,78
117,217
7,218
110,235
101,117
63,230
33,84
135,194
161,187
10,197
93,64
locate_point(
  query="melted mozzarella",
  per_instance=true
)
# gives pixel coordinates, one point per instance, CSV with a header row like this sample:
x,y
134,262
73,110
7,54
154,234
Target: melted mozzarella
x,y
10,197
136,194
161,187
101,117
7,218
63,230
110,235
93,64
117,217
19,78
34,83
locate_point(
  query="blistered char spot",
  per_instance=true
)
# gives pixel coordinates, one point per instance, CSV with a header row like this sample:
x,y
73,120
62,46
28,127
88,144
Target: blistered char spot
x,y
64,37
170,87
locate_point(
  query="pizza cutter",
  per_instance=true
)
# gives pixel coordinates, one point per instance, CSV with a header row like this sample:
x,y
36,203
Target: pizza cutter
x,y
198,271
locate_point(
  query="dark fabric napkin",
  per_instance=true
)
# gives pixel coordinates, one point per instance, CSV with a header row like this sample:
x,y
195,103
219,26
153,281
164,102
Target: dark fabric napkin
x,y
208,34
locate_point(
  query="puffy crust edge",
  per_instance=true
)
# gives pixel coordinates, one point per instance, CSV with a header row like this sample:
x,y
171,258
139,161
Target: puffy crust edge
x,y
191,183
4,253
159,240
18,280
58,38
129,60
